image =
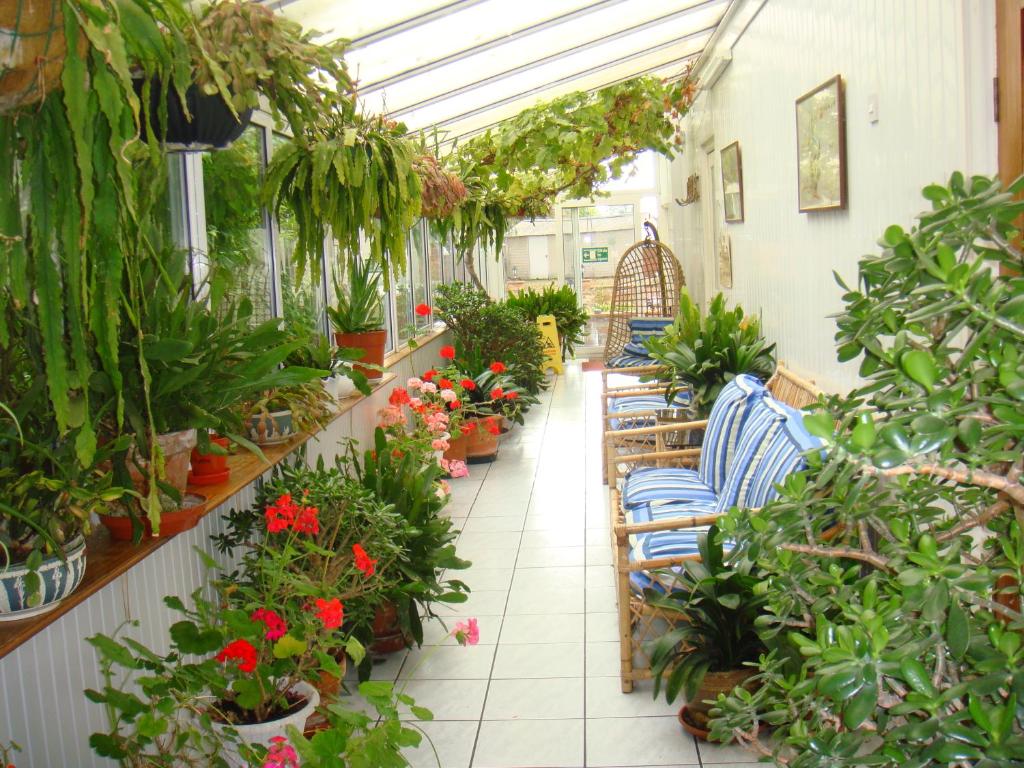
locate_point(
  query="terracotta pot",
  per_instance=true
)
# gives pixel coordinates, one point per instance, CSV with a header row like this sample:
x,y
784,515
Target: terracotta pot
x,y
372,343
388,636
329,686
177,449
694,715
481,445
456,449
171,523
210,468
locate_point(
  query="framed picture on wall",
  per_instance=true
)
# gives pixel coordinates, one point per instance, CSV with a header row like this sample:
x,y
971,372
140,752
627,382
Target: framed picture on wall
x,y
732,182
821,147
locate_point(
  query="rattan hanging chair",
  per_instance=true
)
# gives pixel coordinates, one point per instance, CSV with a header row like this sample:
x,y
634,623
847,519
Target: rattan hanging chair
x,y
648,280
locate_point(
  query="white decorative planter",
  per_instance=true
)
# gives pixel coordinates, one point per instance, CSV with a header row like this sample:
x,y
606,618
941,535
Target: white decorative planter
x,y
262,733
58,579
344,386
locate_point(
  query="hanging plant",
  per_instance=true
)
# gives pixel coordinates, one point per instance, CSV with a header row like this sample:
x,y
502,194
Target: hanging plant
x,y
355,176
443,191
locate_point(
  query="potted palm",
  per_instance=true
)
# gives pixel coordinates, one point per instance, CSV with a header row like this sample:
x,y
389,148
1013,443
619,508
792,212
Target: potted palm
x,y
358,317
707,652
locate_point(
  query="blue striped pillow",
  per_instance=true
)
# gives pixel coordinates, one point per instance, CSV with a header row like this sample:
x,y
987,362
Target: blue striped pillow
x,y
642,328
725,424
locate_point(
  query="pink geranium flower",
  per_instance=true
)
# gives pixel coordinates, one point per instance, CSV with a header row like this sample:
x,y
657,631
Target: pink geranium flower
x,y
281,754
467,632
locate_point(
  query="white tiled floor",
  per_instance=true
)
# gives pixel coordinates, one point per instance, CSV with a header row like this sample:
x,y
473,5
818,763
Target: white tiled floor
x,y
541,689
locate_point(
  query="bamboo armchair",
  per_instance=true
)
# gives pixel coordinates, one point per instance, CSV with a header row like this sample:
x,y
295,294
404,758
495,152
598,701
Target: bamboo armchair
x,y
637,620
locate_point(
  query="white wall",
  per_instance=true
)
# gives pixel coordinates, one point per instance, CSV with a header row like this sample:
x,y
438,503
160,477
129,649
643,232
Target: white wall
x,y
930,63
42,705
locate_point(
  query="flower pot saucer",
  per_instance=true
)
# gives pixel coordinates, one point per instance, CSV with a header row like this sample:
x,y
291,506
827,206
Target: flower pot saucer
x,y
214,478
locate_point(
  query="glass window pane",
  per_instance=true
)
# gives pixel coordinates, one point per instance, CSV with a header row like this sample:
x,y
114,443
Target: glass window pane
x,y
418,271
302,300
401,286
448,260
435,262
237,235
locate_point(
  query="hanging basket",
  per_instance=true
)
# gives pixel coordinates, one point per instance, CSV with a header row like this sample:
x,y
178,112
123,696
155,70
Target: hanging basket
x,y
32,51
208,123
443,192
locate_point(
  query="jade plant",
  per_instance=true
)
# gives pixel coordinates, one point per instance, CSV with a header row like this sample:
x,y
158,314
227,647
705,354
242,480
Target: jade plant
x,y
892,568
705,352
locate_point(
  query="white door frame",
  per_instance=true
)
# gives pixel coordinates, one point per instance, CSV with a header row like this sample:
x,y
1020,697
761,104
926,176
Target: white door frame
x,y
709,217
620,198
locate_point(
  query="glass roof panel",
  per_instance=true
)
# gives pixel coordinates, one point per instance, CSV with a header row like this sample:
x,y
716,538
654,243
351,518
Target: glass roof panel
x,y
353,19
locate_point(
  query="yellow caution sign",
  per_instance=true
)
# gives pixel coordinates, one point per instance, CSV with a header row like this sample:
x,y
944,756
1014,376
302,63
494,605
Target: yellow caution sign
x,y
552,346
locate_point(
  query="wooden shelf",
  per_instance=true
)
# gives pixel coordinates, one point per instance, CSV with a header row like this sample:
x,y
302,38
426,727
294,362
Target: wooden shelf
x,y
107,559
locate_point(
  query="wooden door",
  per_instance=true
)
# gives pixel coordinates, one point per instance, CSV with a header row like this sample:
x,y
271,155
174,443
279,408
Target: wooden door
x,y
1010,88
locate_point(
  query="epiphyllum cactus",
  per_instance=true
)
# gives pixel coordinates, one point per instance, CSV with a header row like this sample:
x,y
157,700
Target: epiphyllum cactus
x,y
893,566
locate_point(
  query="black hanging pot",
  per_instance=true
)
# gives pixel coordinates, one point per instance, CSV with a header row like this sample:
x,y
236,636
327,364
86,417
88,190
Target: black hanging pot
x,y
212,125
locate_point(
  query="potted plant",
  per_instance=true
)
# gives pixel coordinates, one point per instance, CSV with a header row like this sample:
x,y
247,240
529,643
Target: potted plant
x,y
705,353
358,317
708,650
177,515
892,567
210,467
261,643
317,352
283,412
563,304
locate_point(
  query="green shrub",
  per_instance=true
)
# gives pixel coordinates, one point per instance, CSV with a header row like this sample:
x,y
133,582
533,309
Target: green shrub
x,y
570,317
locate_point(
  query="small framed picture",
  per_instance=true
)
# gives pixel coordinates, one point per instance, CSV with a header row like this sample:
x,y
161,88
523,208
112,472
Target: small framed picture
x,y
821,147
732,182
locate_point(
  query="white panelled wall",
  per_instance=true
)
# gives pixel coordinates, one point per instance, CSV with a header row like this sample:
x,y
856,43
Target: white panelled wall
x,y
42,705
929,64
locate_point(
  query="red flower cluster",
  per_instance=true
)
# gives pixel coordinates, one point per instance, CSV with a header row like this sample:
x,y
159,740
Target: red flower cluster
x,y
399,397
511,395
447,352
498,367
423,310
492,426
455,404
468,384
429,375
364,562
445,383
276,627
330,612
241,651
285,513
468,428
497,393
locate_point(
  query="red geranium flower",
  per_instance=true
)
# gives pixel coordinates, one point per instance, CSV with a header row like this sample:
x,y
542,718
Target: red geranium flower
x,y
363,561
498,368
468,384
496,393
445,383
307,521
423,310
281,514
330,612
398,396
468,428
511,395
455,404
276,627
492,426
241,651
429,375
448,352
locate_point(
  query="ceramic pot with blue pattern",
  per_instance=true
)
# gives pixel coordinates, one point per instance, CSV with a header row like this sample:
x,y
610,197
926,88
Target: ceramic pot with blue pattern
x,y
58,577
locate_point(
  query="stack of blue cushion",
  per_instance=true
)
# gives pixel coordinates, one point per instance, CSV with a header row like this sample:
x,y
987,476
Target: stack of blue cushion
x,y
634,354
751,444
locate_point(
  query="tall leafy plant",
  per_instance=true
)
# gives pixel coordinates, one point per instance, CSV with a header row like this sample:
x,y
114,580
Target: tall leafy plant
x,y
893,568
563,304
706,352
359,307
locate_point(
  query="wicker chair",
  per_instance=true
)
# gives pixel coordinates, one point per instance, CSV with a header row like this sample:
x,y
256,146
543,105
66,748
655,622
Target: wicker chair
x,y
638,621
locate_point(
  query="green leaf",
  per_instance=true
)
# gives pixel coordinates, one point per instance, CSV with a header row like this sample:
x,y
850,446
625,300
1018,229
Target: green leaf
x,y
421,713
189,639
958,631
355,650
916,676
288,646
919,366
819,424
860,706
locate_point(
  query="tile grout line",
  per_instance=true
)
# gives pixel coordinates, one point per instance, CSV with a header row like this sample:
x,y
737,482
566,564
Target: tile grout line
x,y
504,615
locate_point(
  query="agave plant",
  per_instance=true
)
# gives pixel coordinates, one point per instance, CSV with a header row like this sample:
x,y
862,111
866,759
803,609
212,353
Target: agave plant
x,y
706,353
359,307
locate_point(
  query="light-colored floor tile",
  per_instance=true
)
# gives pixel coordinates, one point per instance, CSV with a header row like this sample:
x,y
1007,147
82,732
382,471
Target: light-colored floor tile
x,y
484,557
600,576
449,662
598,537
504,523
384,668
437,631
724,755
599,556
601,600
541,660
526,630
554,537
529,744
484,578
643,741
485,602
489,540
447,699
548,600
603,659
547,557
606,699
453,742
563,577
497,508
602,627
552,522
530,699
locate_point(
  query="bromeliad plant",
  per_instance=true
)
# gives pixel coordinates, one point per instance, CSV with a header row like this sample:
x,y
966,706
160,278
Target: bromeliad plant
x,y
893,569
706,353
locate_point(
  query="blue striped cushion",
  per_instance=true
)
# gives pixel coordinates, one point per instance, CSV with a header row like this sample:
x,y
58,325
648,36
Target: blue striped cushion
x,y
642,328
647,484
641,403
628,361
775,454
654,510
648,546
726,422
636,349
